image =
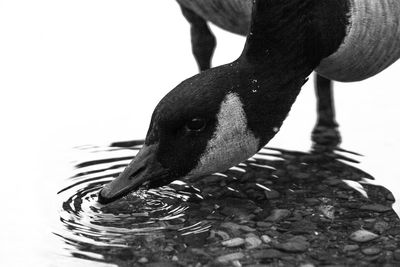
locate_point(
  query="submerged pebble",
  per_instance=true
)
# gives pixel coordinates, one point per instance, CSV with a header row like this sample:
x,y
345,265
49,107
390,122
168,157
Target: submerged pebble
x,y
381,226
252,242
230,225
376,208
230,257
294,244
271,194
223,235
266,239
363,236
312,201
143,260
247,228
347,248
328,211
264,224
267,254
277,215
234,242
371,251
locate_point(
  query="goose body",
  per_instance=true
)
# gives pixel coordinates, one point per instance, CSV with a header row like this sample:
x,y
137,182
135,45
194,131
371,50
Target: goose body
x,y
223,115
371,44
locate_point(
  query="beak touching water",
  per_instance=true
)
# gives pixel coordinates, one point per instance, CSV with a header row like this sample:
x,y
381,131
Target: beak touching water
x,y
144,169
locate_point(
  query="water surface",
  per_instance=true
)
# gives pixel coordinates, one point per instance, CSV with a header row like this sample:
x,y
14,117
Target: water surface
x,y
155,224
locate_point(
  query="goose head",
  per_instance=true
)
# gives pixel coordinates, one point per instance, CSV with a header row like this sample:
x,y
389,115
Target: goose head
x,y
207,124
224,115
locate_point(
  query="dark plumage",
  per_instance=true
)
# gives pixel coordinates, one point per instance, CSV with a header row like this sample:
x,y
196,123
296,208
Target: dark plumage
x,y
223,115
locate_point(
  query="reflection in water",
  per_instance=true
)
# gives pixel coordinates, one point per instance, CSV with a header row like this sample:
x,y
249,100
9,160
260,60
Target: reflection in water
x,y
157,223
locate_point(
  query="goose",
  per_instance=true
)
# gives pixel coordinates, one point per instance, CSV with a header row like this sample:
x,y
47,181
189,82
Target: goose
x,y
369,23
224,115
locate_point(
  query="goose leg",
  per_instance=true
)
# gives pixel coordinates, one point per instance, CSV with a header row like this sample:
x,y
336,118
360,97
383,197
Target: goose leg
x,y
203,41
325,133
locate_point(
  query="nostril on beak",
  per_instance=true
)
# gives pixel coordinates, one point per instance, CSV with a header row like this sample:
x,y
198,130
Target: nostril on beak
x,y
139,170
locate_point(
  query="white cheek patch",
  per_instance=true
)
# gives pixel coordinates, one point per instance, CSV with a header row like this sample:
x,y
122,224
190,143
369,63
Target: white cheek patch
x,y
232,141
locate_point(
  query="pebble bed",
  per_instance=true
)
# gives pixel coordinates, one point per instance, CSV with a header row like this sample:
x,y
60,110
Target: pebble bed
x,y
296,212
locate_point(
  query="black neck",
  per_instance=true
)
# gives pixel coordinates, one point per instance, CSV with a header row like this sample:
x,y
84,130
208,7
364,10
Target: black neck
x,y
295,34
287,41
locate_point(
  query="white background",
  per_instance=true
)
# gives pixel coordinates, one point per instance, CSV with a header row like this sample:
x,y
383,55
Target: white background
x,y
91,72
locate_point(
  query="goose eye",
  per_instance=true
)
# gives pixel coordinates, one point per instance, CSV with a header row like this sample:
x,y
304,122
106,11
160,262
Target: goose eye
x,y
196,125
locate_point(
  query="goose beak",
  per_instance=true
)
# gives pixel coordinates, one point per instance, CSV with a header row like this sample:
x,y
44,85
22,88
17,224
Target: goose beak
x,y
144,169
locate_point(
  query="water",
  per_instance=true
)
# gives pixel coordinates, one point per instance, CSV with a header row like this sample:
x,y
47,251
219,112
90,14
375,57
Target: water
x,y
92,230
145,223
73,72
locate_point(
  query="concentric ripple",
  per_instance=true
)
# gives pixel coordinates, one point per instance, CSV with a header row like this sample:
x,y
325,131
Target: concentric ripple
x,y
90,226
